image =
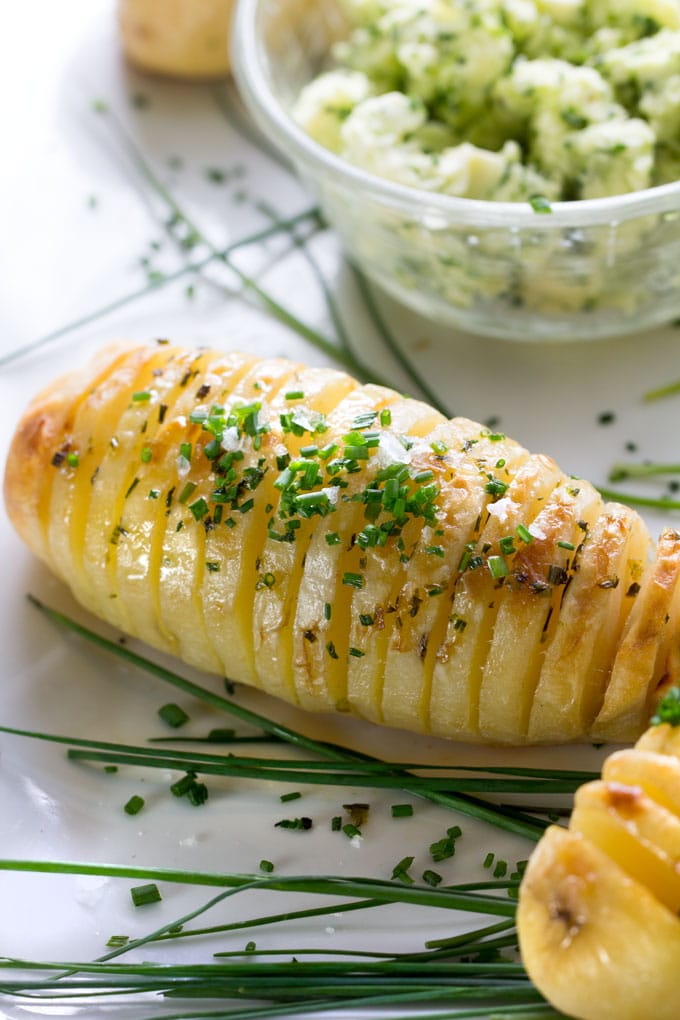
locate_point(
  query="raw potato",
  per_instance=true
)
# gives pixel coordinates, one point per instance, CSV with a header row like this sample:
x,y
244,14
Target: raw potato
x,y
345,548
178,38
598,906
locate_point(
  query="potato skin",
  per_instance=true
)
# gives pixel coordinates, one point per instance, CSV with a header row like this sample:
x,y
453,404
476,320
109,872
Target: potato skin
x,y
343,547
177,38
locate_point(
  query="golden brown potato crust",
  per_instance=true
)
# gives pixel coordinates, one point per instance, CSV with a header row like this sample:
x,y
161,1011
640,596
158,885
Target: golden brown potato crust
x,y
345,548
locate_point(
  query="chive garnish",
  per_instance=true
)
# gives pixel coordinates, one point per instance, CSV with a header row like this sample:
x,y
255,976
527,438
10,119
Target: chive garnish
x,y
402,810
173,715
134,805
143,894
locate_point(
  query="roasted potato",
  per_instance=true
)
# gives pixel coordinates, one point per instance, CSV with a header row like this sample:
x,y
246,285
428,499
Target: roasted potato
x,y
345,548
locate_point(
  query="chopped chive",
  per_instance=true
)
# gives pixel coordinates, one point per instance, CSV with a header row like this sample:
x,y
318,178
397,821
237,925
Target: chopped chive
x,y
501,869
199,508
400,870
295,395
145,455
356,653
285,797
668,709
524,534
266,866
141,396
72,459
385,417
351,830
497,566
327,610
402,810
117,941
353,580
330,648
297,824
143,894
173,715
336,823
432,878
134,805
488,860
186,492
540,204
566,545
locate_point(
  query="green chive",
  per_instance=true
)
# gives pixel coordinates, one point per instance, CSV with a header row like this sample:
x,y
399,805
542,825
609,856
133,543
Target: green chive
x,y
540,204
173,715
141,396
134,805
142,894
353,580
402,810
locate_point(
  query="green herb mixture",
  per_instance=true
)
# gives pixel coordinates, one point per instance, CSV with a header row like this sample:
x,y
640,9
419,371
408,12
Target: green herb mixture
x,y
507,100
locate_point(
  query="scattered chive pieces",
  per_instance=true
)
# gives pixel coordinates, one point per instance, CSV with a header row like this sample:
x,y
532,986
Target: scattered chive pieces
x,y
524,534
141,396
134,805
432,878
351,830
668,709
266,866
385,417
72,459
566,545
327,610
336,823
501,869
497,566
221,735
143,894
250,947
298,824
353,580
117,941
145,455
173,715
402,810
110,768
400,870
540,204
186,491
488,860
443,849
295,795
295,395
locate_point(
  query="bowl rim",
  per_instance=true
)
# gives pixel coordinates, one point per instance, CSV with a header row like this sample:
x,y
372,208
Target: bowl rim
x,y
249,67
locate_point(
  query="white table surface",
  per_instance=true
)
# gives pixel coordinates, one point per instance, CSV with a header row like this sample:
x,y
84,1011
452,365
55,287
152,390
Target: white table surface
x,y
81,229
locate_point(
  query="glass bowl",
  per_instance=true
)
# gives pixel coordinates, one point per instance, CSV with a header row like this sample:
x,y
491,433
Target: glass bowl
x,y
584,270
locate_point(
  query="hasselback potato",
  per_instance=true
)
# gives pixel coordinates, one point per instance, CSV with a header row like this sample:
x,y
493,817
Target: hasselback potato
x,y
344,547
598,907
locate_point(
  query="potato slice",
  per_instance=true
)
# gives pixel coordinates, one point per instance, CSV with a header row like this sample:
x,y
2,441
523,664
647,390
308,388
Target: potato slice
x,y
596,603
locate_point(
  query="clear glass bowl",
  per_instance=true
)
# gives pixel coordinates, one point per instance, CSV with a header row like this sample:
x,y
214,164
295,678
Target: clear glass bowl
x,y
585,270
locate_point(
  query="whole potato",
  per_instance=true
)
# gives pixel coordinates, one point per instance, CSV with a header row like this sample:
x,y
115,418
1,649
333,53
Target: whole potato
x,y
178,38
